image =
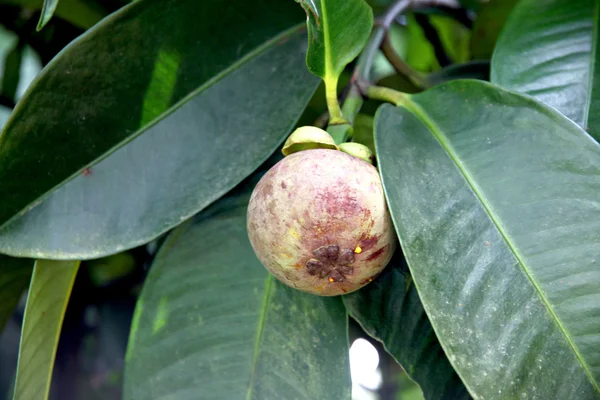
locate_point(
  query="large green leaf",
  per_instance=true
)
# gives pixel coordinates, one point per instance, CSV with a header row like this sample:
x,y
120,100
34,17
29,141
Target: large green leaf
x,y
337,32
46,304
211,323
495,201
389,310
548,49
15,274
208,111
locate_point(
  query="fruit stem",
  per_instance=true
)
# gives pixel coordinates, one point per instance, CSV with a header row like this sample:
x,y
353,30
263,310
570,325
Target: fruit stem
x,y
333,105
362,72
386,94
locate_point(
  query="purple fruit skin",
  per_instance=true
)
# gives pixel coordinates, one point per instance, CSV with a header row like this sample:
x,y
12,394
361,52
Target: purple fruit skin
x,y
311,204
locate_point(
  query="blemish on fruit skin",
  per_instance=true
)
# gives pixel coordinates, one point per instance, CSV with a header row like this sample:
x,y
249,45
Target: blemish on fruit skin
x,y
367,243
377,254
283,185
369,279
268,190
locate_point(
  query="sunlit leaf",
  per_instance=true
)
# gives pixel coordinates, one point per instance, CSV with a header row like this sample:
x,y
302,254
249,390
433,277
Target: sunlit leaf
x,y
47,300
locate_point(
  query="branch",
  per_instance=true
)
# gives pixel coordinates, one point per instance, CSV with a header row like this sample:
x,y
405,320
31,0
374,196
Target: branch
x,y
402,67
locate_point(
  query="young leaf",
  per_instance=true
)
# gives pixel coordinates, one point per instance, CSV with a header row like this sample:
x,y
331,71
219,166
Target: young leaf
x,y
337,32
420,53
389,310
81,13
495,201
47,11
15,274
11,74
487,27
204,114
549,50
46,304
212,323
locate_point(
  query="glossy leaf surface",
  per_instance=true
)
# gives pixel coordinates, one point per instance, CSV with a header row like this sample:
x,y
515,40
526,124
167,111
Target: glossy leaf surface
x,y
15,274
389,310
186,122
47,300
494,198
549,50
211,323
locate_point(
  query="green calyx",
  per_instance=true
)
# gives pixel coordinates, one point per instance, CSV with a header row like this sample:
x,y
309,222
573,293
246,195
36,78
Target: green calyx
x,y
306,138
358,150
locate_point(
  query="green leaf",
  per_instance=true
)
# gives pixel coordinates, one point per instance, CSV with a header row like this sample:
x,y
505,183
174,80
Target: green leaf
x,y
15,274
420,53
18,66
46,304
487,27
389,310
495,200
454,36
11,75
47,12
334,41
81,13
193,118
548,49
212,323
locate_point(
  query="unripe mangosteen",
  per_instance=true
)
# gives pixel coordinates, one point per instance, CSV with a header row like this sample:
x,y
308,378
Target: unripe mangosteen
x,y
318,221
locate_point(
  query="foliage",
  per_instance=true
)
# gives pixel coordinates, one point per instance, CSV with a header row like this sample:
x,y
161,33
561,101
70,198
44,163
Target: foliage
x,y
126,167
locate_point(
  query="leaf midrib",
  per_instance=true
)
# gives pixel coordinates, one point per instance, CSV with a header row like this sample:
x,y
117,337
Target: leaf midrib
x,y
329,72
263,48
416,110
259,333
